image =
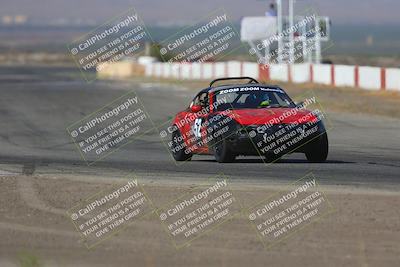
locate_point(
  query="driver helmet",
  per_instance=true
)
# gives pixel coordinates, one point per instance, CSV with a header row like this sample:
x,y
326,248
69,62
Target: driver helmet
x,y
264,100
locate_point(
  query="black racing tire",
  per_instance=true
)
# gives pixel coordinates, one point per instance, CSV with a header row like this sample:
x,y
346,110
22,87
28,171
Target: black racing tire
x,y
222,152
317,149
179,154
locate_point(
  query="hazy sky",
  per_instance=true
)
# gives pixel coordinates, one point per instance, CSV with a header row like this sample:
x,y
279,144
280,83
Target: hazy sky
x,y
185,11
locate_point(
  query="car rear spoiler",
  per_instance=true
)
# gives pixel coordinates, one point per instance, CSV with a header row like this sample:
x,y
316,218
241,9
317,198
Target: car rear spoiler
x,y
251,80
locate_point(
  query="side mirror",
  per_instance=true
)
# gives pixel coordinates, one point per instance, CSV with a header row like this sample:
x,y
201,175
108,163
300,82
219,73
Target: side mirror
x,y
196,108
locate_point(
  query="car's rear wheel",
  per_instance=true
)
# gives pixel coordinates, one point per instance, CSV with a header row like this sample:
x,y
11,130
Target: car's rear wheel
x,y
178,147
317,150
222,152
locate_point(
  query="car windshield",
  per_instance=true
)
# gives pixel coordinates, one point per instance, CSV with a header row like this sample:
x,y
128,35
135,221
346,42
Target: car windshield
x,y
251,98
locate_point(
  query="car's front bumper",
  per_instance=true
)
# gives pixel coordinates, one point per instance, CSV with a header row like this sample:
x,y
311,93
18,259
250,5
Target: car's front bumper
x,y
277,139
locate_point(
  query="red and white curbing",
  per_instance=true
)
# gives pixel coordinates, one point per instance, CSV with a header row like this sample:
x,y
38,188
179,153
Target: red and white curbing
x,y
369,78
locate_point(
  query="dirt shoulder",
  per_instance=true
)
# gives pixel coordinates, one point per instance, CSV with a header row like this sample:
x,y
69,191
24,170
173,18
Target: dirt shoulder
x,y
362,230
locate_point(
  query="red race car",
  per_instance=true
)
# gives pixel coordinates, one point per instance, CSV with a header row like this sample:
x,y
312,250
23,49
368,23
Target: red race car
x,y
248,119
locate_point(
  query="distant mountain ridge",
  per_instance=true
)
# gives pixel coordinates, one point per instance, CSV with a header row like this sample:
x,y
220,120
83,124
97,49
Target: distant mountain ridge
x,y
180,12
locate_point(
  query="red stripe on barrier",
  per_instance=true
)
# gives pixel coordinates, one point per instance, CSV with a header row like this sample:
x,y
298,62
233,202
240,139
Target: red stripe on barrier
x,y
226,69
333,75
289,73
356,76
383,79
263,72
311,73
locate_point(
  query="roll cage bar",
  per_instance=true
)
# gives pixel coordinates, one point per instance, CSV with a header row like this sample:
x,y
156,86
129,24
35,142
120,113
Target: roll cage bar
x,y
251,80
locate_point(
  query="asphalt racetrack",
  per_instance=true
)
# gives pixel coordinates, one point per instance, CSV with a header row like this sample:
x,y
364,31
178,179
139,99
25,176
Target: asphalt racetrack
x,y
42,176
39,103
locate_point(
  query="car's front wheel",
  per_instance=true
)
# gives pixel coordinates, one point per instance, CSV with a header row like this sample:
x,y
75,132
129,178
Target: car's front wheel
x,y
178,147
222,152
317,149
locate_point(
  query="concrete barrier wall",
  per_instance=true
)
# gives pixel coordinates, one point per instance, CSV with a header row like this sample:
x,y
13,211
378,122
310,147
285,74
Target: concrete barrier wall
x,y
158,69
122,69
220,68
251,69
344,75
197,70
393,79
369,78
186,70
167,70
279,72
234,68
322,73
149,69
208,71
300,73
175,70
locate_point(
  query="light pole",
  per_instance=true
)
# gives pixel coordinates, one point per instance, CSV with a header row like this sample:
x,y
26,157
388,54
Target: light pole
x,y
291,33
280,26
